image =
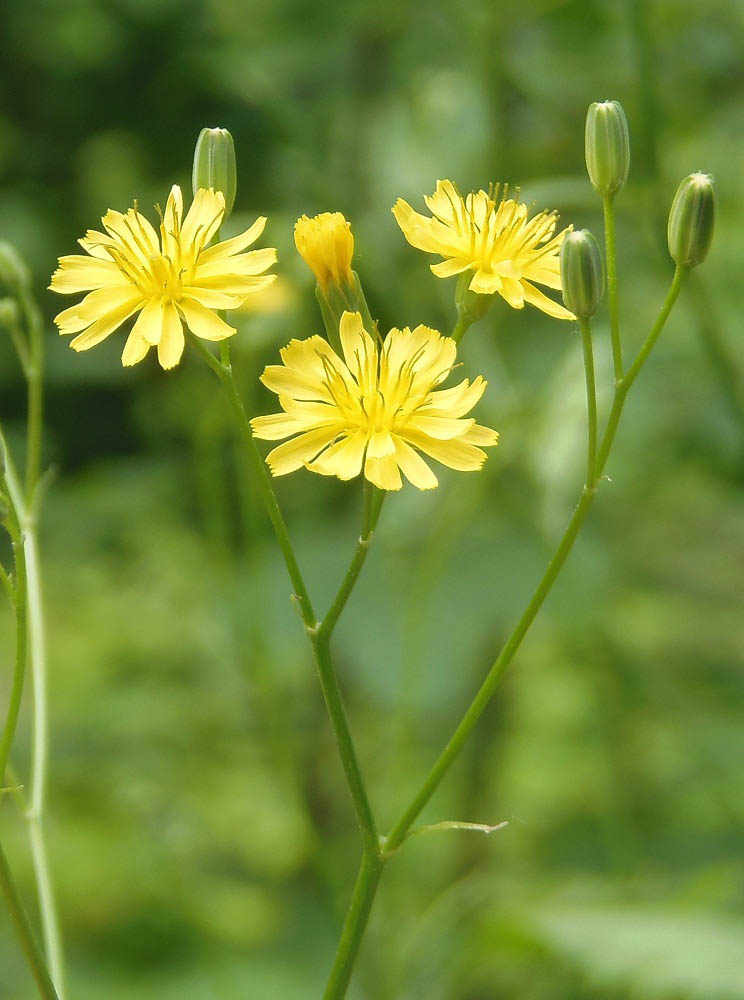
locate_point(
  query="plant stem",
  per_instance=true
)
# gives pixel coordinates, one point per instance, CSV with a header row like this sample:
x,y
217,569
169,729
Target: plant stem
x,y
344,741
591,401
608,205
25,933
225,374
20,604
355,924
623,386
487,689
461,327
371,514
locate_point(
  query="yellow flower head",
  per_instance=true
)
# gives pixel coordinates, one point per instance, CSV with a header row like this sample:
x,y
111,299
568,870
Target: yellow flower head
x,y
375,408
326,244
174,279
493,237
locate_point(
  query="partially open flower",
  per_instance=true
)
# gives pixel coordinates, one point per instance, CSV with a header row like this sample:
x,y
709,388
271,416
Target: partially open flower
x,y
492,236
374,409
174,279
326,244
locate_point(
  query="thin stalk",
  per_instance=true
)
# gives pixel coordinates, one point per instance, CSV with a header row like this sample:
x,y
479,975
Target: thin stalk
x,y
344,742
623,387
461,327
33,370
493,678
20,604
355,925
225,374
372,508
608,205
591,401
25,934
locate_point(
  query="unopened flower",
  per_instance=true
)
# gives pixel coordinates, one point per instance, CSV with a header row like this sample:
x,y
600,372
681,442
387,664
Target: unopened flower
x,y
374,409
326,244
170,279
492,236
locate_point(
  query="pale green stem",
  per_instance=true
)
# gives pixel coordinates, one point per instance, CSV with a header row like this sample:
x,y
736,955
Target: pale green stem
x,y
25,934
608,205
591,401
20,604
484,695
26,509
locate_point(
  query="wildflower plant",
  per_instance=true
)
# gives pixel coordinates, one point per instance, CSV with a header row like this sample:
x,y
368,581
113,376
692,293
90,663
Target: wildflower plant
x,y
353,404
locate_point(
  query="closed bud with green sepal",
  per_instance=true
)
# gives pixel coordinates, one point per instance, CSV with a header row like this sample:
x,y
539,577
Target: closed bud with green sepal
x,y
582,273
692,219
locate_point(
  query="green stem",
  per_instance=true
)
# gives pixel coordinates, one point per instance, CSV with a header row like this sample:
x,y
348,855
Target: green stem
x,y
591,401
25,933
487,689
355,924
462,326
344,741
608,205
225,374
623,386
372,508
20,603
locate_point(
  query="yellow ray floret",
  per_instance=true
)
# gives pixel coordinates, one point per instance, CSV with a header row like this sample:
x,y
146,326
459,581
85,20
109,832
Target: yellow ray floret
x,y
493,237
168,279
374,409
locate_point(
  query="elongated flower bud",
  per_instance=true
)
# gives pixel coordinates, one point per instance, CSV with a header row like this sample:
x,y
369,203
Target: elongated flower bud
x,y
214,164
607,147
14,274
582,273
692,219
326,244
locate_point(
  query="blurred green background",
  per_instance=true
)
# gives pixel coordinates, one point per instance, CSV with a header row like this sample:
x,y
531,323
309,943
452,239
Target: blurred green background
x,y
200,831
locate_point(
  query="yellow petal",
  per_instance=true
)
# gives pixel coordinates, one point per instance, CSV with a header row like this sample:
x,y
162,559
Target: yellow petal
x,y
203,322
485,282
248,264
359,349
343,458
293,454
383,472
135,349
381,444
99,330
204,217
275,426
288,382
235,245
77,273
149,324
441,428
413,466
171,343
456,401
482,436
454,454
447,268
536,298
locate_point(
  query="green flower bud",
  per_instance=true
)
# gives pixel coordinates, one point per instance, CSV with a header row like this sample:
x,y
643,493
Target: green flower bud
x,y
14,275
10,314
691,220
214,164
582,273
607,147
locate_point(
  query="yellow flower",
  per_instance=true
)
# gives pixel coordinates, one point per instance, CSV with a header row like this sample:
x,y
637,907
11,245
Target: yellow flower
x,y
326,244
376,408
171,280
493,237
